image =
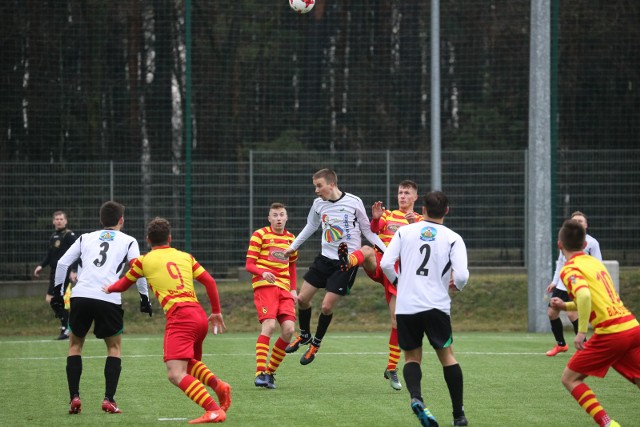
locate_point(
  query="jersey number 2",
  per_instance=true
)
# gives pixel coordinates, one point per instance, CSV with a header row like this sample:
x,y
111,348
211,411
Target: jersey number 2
x,y
426,251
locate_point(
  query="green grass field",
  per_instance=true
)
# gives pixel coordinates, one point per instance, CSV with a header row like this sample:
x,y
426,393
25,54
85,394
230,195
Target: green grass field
x,y
508,379
508,382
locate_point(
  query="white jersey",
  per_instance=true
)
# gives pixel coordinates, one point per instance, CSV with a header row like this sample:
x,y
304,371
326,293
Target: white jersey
x,y
342,220
428,252
103,255
593,249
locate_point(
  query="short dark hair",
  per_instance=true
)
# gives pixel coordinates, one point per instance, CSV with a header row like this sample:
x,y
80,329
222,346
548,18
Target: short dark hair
x,y
56,213
158,231
329,175
277,205
408,183
110,213
572,235
436,203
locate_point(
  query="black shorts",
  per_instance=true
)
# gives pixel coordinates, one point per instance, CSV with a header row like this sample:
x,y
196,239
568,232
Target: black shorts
x,y
108,317
434,323
325,273
563,295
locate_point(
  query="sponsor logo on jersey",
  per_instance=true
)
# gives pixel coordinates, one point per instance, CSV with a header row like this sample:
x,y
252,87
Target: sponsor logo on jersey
x,y
279,254
330,232
428,234
107,236
345,221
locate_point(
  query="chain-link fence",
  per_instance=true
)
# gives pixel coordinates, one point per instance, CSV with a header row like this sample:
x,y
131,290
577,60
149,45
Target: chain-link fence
x,y
231,199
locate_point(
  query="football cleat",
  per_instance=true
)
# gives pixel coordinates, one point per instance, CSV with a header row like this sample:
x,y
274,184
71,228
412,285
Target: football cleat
x,y
460,421
111,407
271,380
392,376
261,380
309,355
75,406
216,416
343,256
557,349
64,334
613,423
223,391
424,415
295,345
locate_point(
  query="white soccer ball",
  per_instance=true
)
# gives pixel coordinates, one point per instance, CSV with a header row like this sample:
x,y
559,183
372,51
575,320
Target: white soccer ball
x,y
302,6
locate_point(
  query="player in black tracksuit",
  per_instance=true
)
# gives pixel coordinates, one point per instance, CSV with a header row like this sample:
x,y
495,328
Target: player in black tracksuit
x,y
59,242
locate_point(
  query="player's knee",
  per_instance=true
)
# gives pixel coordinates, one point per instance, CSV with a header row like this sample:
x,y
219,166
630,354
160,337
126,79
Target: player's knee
x,y
368,252
287,330
327,307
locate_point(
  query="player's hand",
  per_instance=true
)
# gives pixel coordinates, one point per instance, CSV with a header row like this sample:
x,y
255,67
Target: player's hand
x,y
550,288
217,323
288,251
294,294
36,272
145,305
410,217
579,340
557,303
73,276
105,289
269,276
377,210
47,298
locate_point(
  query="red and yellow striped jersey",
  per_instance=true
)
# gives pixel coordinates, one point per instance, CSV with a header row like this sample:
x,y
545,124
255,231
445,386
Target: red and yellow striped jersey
x,y
170,274
267,248
608,314
389,222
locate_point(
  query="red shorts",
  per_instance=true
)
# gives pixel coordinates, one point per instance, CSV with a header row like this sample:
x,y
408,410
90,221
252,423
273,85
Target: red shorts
x,y
621,351
273,302
379,277
186,329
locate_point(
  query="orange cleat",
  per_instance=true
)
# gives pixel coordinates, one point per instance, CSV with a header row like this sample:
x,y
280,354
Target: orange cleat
x,y
216,416
557,349
223,391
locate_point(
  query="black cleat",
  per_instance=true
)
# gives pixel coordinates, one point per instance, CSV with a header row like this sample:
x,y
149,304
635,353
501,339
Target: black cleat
x,y
343,256
460,421
295,345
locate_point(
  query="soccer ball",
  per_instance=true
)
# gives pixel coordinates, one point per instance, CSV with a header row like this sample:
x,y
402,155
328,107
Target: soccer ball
x,y
302,6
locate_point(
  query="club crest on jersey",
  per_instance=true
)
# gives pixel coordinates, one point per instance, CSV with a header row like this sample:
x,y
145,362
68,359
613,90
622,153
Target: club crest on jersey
x,y
428,234
107,236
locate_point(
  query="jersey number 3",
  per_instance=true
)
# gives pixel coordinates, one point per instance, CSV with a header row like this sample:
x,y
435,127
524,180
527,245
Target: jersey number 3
x,y
102,255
